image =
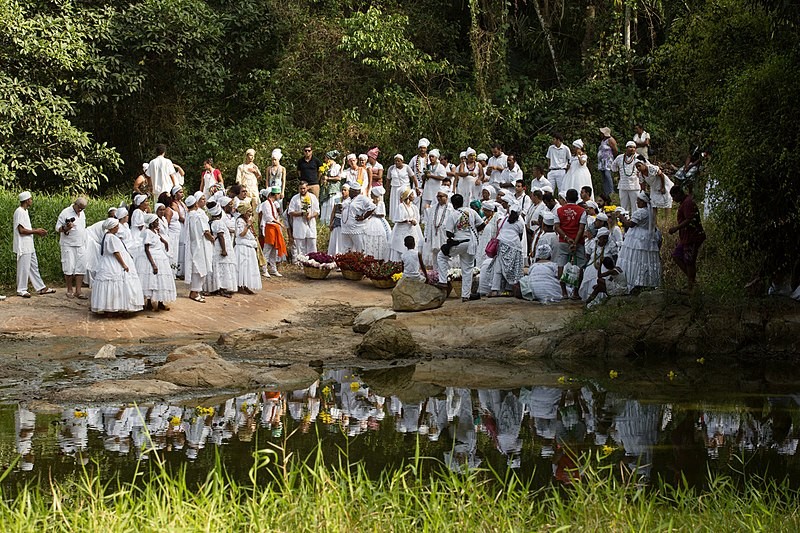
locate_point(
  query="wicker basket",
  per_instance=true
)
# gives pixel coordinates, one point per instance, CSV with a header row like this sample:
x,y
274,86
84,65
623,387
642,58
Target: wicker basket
x,y
384,283
316,273
455,289
352,275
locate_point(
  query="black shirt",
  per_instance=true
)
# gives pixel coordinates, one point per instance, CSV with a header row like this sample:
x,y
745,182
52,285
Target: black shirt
x,y
309,170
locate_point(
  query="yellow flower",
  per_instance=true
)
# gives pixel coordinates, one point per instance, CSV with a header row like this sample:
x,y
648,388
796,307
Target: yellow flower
x,y
244,407
355,386
671,375
396,277
79,414
613,374
701,360
326,390
175,421
562,380
607,450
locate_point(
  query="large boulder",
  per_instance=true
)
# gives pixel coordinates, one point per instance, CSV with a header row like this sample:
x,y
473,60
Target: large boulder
x,y
121,389
204,371
387,340
248,336
409,295
370,316
198,349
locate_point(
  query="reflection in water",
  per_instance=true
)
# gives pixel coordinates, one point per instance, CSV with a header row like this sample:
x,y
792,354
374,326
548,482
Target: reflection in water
x,y
466,427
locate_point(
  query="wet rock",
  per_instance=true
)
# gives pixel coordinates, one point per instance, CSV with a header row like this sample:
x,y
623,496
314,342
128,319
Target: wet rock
x,y
108,351
370,316
482,374
291,377
533,347
42,407
129,389
398,381
203,371
581,345
416,296
193,350
387,340
783,334
247,336
666,333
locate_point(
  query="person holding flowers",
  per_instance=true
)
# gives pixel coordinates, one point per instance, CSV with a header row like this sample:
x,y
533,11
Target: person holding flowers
x,y
331,185
407,223
303,214
400,178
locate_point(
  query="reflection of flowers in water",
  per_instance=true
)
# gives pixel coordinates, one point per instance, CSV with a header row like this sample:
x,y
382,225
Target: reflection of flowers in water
x,y
613,374
671,375
204,411
701,360
79,413
175,421
355,386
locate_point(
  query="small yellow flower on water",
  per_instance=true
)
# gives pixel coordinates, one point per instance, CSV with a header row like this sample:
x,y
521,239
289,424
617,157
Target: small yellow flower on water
x,y
607,450
355,386
613,374
671,375
244,407
701,360
562,379
175,421
79,414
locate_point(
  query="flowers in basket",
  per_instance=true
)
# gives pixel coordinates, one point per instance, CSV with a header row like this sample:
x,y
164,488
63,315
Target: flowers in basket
x,y
383,270
318,260
354,261
454,274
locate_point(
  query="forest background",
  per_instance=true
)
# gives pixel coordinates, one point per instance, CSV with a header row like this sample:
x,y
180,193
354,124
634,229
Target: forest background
x,y
89,87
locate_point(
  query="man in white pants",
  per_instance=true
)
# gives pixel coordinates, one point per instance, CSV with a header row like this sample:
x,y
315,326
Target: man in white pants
x,y
354,219
27,263
629,185
462,227
71,227
303,214
558,156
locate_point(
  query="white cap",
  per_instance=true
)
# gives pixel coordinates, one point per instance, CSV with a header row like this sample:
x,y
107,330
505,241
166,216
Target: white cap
x,y
139,199
399,156
462,154
470,151
377,191
603,232
602,217
122,212
483,157
223,201
190,200
547,188
215,211
577,143
434,153
277,154
24,196
549,218
423,142
630,144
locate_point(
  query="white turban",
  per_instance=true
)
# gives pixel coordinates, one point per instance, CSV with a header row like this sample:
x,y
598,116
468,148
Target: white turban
x,y
423,142
139,199
223,201
400,157
630,144
544,251
190,200
462,154
149,218
110,223
175,190
145,166
159,206
593,205
215,211
363,157
121,213
434,153
602,217
483,157
378,191
643,197
489,205
489,188
351,156
603,232
549,219
24,196
577,143
470,151
277,154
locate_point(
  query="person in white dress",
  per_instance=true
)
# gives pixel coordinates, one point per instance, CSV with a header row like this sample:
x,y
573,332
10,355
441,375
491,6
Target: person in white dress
x,y
434,232
541,283
469,177
335,240
578,175
23,247
378,232
407,224
94,234
199,247
434,173
642,140
354,218
401,177
629,185
639,257
658,183
303,215
558,156
495,165
211,180
331,186
117,288
248,175
276,176
226,279
418,164
508,263
245,249
153,267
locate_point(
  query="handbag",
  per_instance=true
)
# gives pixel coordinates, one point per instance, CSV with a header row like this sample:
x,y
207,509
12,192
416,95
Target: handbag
x,y
571,273
494,243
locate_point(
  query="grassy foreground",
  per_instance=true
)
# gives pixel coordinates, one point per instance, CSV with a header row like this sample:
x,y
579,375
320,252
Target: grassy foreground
x,y
312,496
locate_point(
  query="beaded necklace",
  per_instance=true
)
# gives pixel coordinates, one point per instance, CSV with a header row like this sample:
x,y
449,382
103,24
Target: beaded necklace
x,y
438,224
625,164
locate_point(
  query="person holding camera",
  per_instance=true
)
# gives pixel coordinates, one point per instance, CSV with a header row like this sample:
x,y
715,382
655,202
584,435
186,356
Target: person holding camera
x,y
71,229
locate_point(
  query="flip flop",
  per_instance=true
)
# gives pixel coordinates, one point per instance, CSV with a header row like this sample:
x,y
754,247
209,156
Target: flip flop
x,y
199,298
25,294
81,296
47,290
70,295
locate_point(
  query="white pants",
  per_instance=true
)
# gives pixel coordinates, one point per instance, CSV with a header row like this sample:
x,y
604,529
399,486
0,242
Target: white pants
x,y
352,242
467,261
28,269
555,177
305,246
73,260
271,255
197,282
627,200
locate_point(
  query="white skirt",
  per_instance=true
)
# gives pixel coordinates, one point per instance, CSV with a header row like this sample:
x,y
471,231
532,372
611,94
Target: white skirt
x,y
335,241
249,274
120,295
225,274
158,287
642,268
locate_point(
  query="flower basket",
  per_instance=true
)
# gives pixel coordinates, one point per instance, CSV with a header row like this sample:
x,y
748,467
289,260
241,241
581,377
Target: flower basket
x,y
352,275
455,289
316,273
384,283
354,262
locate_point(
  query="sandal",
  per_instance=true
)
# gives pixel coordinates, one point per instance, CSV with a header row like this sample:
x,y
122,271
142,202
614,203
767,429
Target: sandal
x,y
199,298
47,290
81,296
70,295
25,294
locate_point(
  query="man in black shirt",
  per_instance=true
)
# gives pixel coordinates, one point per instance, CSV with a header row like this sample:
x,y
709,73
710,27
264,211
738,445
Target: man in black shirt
x,y
308,170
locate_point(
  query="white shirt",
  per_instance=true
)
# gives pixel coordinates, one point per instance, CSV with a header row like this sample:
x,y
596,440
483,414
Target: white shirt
x,y
302,227
463,224
400,177
540,183
641,150
507,176
160,171
410,260
558,156
628,177
77,235
23,244
499,161
357,207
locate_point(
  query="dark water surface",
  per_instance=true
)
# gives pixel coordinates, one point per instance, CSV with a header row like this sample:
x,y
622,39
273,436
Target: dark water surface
x,y
536,431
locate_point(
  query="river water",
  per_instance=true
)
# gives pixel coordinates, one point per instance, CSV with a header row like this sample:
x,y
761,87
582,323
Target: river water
x,y
539,432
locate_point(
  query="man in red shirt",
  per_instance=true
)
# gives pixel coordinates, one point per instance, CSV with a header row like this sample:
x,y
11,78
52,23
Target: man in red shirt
x,y
690,234
570,225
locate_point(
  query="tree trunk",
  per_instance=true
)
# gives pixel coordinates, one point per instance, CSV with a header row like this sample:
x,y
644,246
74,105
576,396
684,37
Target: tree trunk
x,y
627,30
548,37
489,44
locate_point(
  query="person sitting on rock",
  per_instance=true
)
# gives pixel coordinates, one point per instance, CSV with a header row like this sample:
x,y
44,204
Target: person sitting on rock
x,y
413,266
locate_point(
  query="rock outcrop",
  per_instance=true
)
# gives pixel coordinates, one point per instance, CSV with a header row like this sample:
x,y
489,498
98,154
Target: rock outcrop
x,y
388,340
203,370
416,296
370,316
198,349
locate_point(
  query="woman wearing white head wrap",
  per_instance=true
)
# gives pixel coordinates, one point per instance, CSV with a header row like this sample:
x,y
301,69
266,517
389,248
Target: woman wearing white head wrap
x,y
401,177
578,174
116,287
434,173
507,268
378,232
406,223
225,276
277,175
199,247
639,256
541,283
658,183
153,265
469,177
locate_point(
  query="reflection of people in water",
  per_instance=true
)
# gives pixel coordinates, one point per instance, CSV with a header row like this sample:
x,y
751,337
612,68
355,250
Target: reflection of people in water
x,y
25,424
637,430
463,455
502,419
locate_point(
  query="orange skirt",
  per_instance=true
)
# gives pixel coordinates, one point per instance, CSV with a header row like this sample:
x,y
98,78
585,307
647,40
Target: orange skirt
x,y
274,237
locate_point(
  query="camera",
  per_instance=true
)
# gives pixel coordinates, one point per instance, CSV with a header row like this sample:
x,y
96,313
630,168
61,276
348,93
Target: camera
x,y
67,222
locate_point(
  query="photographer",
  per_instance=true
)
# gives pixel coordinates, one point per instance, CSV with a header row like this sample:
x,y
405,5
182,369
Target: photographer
x,y
71,229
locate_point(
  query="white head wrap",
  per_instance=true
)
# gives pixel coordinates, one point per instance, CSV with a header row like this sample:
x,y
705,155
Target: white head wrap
x,y
548,218
145,166
434,153
603,232
483,157
399,156
543,251
423,142
462,154
351,156
354,185
277,154
489,205
121,213
577,143
643,197
24,196
110,223
235,203
406,193
443,190
190,200
362,157
602,217
630,144
139,199
149,218
593,205
377,191
158,206
470,151
225,200
215,211
175,190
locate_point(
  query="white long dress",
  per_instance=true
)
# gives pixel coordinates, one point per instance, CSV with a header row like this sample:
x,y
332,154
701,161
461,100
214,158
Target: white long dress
x,y
639,259
115,290
400,178
174,230
199,251
541,283
376,238
225,275
435,235
334,190
578,175
246,258
658,200
403,228
157,287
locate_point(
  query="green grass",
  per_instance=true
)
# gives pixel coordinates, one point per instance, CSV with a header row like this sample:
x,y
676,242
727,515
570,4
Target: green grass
x,y
43,213
286,494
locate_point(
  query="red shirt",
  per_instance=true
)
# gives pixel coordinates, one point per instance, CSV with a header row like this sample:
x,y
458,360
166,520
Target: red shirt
x,y
693,233
570,217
